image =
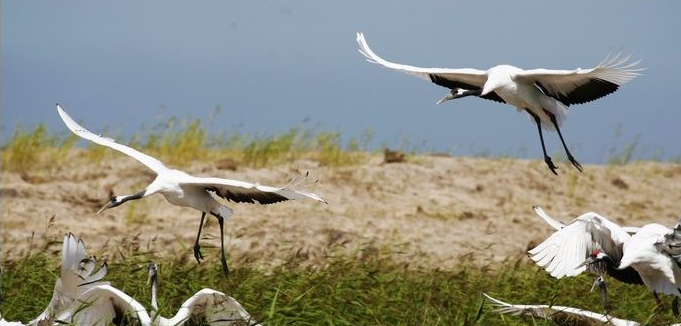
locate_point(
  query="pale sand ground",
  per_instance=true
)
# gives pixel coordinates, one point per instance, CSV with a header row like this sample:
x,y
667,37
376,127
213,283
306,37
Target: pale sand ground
x,y
430,210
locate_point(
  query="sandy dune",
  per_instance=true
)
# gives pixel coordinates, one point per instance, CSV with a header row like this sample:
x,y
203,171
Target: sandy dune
x,y
428,211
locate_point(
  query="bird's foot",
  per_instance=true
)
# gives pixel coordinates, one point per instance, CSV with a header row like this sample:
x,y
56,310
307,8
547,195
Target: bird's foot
x,y
549,162
574,162
225,268
197,253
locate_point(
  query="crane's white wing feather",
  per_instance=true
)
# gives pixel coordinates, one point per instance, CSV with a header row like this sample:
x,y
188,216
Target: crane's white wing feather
x,y
152,163
583,85
217,308
556,313
466,78
75,277
550,220
562,252
101,306
246,192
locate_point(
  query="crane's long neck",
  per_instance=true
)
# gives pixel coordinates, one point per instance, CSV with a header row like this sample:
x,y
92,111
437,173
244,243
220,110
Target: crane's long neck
x,y
136,196
154,288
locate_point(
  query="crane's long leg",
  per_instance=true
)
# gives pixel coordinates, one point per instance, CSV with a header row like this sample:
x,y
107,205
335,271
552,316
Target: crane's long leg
x,y
675,306
567,151
658,301
223,260
547,158
197,248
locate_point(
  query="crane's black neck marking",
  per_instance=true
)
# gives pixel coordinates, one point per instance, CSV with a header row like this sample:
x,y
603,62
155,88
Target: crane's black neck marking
x,y
134,197
626,275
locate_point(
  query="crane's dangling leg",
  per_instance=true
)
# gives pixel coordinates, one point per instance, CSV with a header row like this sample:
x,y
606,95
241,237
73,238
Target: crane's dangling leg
x,y
567,151
659,305
547,158
675,306
223,260
197,248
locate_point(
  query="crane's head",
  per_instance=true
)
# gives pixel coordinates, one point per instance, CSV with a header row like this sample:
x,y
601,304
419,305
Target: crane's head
x,y
153,273
458,93
118,200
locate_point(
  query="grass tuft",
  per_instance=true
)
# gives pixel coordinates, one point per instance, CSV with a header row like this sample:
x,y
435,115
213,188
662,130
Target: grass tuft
x,y
348,291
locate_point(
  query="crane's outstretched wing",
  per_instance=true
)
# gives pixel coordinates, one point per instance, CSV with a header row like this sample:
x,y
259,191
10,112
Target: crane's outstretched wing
x,y
562,252
152,163
583,85
104,305
215,307
558,314
76,277
246,192
466,78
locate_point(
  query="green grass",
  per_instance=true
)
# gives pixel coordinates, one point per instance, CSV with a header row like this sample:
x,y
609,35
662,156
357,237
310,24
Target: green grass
x,y
348,291
37,149
181,142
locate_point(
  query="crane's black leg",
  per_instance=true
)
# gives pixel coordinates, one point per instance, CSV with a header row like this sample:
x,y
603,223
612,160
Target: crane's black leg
x,y
547,158
567,151
675,306
223,260
197,248
658,301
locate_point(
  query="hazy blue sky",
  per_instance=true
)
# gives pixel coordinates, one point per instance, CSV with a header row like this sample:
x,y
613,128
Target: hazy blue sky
x,y
271,64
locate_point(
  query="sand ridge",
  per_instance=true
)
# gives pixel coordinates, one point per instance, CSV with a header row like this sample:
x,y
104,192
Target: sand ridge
x,y
429,210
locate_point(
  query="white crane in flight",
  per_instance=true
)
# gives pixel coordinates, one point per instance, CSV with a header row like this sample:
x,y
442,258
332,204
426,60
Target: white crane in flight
x,y
544,94
182,189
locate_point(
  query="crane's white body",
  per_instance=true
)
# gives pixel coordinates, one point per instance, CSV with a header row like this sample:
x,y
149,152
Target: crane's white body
x,y
564,252
659,272
77,276
558,313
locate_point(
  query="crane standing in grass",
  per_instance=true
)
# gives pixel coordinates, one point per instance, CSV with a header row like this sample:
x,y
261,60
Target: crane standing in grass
x,y
543,94
182,189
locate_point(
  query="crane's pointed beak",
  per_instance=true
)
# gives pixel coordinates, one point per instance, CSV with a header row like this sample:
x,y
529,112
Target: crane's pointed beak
x,y
106,206
447,97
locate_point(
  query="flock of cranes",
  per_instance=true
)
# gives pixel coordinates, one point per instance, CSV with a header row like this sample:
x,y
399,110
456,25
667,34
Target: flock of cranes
x,y
649,255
